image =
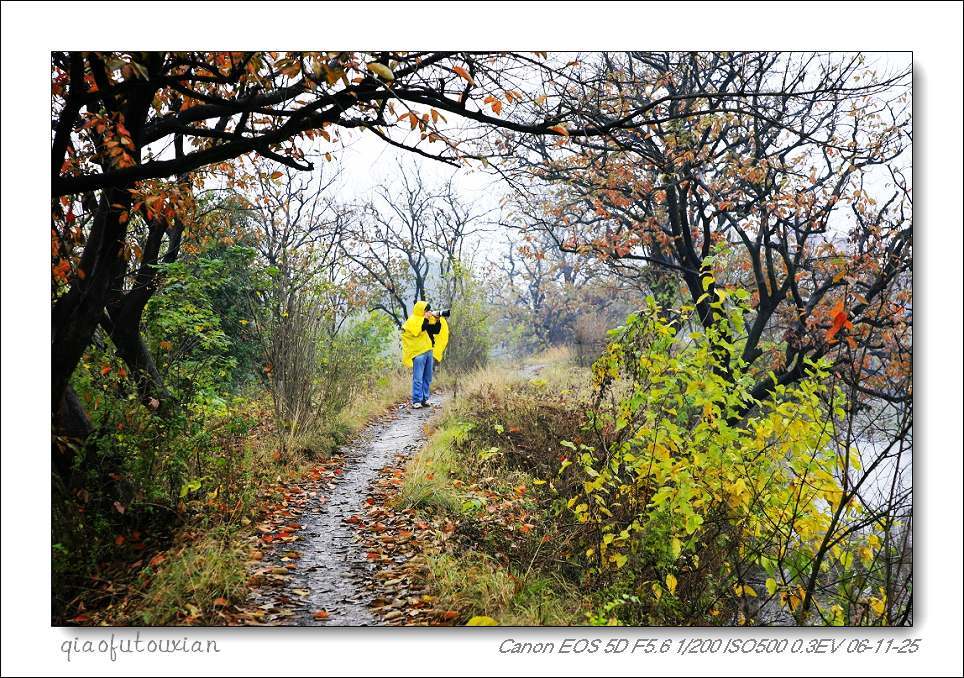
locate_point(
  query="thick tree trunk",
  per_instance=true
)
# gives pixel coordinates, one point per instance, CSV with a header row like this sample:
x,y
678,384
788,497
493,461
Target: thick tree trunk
x,y
76,315
124,332
122,321
73,427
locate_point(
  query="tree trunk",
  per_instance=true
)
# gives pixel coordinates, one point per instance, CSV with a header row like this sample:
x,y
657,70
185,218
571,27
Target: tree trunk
x,y
122,321
124,332
76,315
73,426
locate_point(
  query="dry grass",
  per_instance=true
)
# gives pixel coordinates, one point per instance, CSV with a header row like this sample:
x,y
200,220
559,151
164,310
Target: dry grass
x,y
391,389
324,439
474,584
428,477
523,415
556,355
191,583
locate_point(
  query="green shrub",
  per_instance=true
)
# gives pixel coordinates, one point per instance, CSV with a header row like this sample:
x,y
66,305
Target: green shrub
x,y
701,501
470,325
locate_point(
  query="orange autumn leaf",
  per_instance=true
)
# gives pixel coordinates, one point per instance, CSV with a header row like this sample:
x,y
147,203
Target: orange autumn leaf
x,y
495,103
464,74
840,321
61,270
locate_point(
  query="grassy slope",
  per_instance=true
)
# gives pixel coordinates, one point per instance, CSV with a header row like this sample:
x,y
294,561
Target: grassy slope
x,y
482,469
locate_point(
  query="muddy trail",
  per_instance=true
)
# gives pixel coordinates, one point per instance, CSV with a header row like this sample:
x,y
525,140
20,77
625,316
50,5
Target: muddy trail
x,y
337,551
328,574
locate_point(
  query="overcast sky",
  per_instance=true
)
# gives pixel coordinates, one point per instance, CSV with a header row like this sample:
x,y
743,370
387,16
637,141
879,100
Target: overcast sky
x,y
367,161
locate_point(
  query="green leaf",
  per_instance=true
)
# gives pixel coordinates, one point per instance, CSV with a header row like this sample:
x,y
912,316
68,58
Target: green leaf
x,y
693,523
190,486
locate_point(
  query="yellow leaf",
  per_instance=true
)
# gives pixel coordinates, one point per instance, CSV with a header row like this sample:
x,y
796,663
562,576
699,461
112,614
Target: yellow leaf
x,y
382,71
482,620
836,615
671,583
878,605
771,586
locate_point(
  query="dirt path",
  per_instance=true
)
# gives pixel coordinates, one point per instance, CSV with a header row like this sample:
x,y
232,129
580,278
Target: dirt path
x,y
331,567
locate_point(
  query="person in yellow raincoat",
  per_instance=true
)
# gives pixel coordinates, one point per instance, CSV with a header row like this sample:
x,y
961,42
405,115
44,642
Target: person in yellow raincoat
x,y
425,335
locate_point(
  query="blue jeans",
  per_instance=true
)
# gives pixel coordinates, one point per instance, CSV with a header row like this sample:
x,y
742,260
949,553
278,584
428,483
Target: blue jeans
x,y
421,376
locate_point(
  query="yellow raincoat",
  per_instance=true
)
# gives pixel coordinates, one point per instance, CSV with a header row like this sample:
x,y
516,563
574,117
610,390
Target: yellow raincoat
x,y
416,342
441,340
